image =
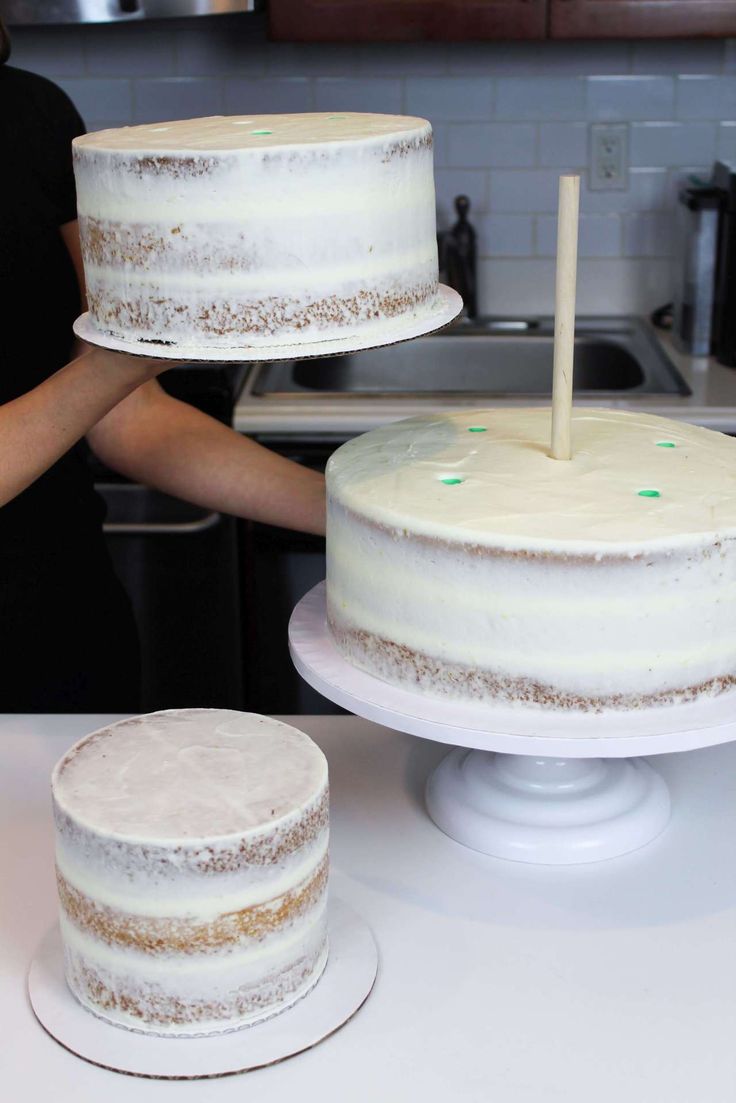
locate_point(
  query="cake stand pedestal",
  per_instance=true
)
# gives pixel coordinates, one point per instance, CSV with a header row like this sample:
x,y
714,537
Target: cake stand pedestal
x,y
523,783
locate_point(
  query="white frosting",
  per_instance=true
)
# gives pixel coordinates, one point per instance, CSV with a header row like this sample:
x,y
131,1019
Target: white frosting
x,y
191,851
189,774
204,232
543,580
512,493
228,132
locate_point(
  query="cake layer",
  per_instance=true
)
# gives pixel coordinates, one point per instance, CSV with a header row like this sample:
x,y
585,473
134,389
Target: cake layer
x,y
263,229
192,868
464,561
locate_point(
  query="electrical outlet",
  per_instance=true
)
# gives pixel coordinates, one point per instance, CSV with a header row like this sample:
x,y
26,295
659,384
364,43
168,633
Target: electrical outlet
x,y
608,169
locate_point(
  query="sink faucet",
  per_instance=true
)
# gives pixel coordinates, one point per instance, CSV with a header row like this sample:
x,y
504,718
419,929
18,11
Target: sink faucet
x,y
457,256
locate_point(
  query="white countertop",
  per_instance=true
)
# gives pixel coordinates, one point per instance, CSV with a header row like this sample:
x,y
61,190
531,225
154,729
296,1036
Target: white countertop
x,y
711,404
608,983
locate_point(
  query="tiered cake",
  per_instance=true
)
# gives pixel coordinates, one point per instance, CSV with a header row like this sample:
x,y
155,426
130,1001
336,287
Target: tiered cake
x,y
191,851
257,230
463,561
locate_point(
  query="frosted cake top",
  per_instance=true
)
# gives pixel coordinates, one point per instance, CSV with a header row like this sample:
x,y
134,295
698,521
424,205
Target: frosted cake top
x,y
189,773
232,132
486,477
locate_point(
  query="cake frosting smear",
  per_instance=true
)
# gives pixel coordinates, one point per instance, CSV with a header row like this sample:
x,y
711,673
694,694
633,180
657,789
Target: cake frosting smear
x,y
191,854
464,561
257,229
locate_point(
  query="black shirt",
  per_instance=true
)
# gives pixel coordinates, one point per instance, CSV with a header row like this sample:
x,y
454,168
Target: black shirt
x,y
58,594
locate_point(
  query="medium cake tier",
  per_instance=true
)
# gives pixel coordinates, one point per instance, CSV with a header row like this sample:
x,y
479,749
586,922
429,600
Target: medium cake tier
x,y
265,229
465,562
192,869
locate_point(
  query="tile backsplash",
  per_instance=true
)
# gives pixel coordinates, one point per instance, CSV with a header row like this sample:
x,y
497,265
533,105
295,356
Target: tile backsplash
x,y
508,118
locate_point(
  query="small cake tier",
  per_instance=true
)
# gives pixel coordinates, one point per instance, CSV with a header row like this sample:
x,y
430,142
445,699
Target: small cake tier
x,y
463,561
260,229
191,855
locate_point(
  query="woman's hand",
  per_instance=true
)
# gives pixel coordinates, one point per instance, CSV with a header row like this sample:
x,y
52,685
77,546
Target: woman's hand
x,y
40,426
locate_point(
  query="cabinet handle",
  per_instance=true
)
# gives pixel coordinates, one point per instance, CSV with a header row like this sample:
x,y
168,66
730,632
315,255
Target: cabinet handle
x,y
162,528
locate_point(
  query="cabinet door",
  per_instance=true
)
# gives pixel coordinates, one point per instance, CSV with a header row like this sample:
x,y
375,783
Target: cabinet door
x,y
642,18
405,20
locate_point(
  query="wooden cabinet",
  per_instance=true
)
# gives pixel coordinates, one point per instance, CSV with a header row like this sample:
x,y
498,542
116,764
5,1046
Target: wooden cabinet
x,y
406,20
469,20
642,18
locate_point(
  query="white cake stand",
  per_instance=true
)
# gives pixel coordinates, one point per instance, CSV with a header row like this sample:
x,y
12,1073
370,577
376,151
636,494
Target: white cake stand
x,y
523,783
444,310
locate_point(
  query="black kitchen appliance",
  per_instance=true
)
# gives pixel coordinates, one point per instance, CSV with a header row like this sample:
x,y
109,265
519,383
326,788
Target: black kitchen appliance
x,y
724,311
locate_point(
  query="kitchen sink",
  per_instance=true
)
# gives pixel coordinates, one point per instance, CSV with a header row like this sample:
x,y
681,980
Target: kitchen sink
x,y
490,356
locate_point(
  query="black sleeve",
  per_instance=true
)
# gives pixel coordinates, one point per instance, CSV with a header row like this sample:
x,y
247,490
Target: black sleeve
x,y
56,122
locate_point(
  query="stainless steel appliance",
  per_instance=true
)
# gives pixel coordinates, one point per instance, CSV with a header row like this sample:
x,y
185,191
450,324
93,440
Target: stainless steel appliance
x,y
21,13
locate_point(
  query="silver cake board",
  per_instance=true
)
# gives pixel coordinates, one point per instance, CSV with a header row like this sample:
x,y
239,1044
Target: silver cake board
x,y
445,309
524,784
340,992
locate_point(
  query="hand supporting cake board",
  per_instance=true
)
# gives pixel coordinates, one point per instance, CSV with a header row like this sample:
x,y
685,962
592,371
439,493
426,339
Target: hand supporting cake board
x,y
564,340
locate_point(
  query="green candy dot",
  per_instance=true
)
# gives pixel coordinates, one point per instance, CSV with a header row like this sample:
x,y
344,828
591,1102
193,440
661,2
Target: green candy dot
x,y
261,132
649,494
451,482
337,117
666,444
477,429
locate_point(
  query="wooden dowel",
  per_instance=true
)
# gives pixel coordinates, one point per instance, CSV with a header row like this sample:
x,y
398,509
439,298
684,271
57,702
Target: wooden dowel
x,y
567,263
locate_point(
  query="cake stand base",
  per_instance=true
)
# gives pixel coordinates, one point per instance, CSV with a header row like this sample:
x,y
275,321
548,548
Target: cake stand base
x,y
342,990
527,784
554,811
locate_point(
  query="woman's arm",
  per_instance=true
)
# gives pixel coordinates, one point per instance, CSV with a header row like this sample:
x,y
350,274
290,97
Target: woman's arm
x,y
154,439
40,426
157,440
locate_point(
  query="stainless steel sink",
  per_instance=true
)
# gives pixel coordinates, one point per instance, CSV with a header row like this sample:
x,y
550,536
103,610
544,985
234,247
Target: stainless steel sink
x,y
486,357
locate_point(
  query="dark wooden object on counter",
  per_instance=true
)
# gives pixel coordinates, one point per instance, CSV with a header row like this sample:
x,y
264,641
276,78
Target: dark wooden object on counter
x,y
642,18
405,20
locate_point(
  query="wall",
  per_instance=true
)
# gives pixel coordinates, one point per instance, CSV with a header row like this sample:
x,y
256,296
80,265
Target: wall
x,y
509,117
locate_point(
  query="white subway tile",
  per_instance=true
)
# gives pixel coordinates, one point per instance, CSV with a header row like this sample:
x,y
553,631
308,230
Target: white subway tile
x,y
311,59
706,97
516,286
99,99
727,141
176,98
647,190
650,234
729,56
492,144
613,285
677,56
230,47
599,235
632,97
519,191
449,97
266,97
540,98
563,144
50,51
672,144
129,50
362,94
402,59
450,183
538,58
440,134
506,235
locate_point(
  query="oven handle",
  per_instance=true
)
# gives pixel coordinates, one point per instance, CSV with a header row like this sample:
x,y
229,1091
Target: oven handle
x,y
162,528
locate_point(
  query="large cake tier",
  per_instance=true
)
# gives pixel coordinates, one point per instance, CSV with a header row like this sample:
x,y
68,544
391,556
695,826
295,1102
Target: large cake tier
x,y
191,854
257,230
464,561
